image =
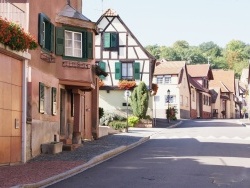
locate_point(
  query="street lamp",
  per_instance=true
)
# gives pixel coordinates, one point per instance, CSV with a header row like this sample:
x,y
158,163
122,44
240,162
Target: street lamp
x,y
168,101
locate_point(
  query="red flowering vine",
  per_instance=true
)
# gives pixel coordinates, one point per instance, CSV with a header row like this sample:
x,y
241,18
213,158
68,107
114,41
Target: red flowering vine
x,y
13,36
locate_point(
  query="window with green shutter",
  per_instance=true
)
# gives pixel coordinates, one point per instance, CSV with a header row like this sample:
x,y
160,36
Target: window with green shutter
x,y
127,70
74,43
136,71
118,70
102,66
111,41
54,101
45,33
41,97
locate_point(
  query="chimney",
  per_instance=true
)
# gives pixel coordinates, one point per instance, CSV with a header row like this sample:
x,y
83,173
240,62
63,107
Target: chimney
x,y
68,2
79,5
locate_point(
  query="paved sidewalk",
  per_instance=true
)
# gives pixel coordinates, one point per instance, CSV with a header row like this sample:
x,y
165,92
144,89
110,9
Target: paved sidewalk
x,y
47,168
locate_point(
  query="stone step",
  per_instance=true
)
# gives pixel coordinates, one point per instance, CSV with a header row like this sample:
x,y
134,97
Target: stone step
x,y
70,147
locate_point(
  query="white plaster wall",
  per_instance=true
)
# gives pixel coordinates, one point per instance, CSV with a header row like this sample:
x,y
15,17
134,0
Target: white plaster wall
x,y
141,53
160,105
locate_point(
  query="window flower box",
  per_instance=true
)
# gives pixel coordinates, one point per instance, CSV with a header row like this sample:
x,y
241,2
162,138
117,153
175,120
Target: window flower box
x,y
126,84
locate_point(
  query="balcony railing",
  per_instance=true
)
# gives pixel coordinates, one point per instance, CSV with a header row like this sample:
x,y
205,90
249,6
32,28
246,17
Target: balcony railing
x,y
12,13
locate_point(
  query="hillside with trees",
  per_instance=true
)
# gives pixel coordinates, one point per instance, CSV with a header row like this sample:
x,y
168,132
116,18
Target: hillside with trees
x,y
235,56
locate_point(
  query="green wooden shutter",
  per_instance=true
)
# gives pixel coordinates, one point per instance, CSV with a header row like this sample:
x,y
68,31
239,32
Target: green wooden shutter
x,y
114,40
84,45
54,101
59,41
136,71
47,36
102,65
106,40
41,97
118,70
52,37
90,45
40,30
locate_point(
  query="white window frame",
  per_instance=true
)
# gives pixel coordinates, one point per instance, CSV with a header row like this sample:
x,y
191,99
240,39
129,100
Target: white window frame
x,y
159,79
167,79
127,71
73,47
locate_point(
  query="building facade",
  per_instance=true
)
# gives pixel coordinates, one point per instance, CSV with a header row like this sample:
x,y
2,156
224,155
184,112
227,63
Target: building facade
x,y
120,54
58,88
172,76
200,76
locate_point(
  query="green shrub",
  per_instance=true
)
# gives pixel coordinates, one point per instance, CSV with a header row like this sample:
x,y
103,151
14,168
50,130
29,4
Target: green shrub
x,y
117,125
132,120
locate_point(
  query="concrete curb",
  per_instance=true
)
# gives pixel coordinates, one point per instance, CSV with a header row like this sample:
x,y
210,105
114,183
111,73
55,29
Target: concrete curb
x,y
96,160
175,125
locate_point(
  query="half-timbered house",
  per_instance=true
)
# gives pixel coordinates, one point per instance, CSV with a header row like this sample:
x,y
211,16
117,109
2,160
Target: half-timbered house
x,y
120,54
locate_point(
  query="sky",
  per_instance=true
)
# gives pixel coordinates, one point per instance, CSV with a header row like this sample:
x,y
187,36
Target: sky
x,y
163,22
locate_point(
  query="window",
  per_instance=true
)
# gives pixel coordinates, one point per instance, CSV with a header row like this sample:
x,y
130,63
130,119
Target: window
x,y
167,79
110,41
163,79
46,33
127,70
170,99
187,101
73,44
54,101
193,95
181,100
159,79
47,99
102,66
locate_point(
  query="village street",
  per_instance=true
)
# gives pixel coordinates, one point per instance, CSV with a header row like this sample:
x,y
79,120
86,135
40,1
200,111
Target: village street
x,y
197,153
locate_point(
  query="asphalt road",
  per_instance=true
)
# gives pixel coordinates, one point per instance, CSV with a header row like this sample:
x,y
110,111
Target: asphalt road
x,y
197,154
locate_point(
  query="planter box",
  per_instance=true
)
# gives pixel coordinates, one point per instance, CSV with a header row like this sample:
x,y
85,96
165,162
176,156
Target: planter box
x,y
52,148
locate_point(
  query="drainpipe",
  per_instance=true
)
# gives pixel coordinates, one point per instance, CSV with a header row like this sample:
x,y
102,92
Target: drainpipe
x,y
24,109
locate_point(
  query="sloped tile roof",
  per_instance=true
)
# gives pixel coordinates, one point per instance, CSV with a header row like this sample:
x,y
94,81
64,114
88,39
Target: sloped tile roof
x,y
196,85
169,67
69,11
110,12
199,70
223,79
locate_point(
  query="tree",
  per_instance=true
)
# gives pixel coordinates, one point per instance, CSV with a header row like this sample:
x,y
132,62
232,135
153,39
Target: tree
x,y
154,50
139,100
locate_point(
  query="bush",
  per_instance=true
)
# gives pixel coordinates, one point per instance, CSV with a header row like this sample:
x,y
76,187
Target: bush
x,y
132,120
107,118
117,125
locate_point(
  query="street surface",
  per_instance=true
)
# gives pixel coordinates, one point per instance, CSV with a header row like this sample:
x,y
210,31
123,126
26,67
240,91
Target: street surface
x,y
196,154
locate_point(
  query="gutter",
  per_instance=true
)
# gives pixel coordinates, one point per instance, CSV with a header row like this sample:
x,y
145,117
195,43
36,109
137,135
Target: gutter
x,y
24,110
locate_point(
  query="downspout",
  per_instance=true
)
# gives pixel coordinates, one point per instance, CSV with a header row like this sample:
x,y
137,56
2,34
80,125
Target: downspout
x,y
24,110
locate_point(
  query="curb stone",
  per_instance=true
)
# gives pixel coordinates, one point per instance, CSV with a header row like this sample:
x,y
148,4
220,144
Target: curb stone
x,y
96,160
91,163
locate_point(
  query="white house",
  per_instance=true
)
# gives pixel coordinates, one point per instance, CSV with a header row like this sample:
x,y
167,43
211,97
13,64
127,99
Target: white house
x,y
172,76
120,54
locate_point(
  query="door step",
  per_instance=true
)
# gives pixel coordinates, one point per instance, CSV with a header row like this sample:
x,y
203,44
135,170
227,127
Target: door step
x,y
70,147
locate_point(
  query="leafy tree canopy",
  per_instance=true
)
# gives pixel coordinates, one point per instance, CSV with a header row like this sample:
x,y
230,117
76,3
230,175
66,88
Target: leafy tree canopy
x,y
235,55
